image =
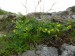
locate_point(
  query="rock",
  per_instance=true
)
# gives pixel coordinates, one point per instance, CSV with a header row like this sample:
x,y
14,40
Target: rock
x,y
1,16
53,51
68,47
68,50
1,35
67,53
68,14
43,50
16,55
29,53
73,16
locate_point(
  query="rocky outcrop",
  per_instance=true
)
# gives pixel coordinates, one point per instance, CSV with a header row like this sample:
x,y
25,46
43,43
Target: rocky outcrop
x,y
60,16
44,50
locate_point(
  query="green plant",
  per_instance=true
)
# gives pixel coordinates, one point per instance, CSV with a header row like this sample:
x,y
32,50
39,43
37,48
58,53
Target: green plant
x,y
29,32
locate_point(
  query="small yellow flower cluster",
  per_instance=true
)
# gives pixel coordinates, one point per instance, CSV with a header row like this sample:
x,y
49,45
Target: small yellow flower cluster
x,y
58,25
49,31
52,30
44,30
69,26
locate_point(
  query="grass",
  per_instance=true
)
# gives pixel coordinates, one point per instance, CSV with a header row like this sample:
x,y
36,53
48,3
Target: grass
x,y
29,32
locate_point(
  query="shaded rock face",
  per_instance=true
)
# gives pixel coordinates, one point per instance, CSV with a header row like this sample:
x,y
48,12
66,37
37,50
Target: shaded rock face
x,y
61,15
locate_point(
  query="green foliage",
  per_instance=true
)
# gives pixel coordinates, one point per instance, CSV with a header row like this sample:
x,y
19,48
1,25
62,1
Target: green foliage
x,y
28,32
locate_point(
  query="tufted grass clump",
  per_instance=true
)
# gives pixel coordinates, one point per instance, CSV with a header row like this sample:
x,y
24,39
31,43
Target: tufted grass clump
x,y
29,32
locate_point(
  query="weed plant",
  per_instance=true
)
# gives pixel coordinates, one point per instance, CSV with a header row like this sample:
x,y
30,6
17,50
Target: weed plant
x,y
29,32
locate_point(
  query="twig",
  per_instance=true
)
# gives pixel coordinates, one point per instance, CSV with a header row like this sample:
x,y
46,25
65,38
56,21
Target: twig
x,y
52,6
38,4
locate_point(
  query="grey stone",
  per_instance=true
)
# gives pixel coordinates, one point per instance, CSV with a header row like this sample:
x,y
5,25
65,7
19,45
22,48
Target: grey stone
x,y
1,16
68,47
1,35
73,16
63,15
29,53
42,50
67,53
67,50
47,51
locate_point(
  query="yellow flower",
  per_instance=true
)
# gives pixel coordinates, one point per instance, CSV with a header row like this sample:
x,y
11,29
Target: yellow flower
x,y
49,31
58,25
46,29
69,27
52,29
14,31
4,35
26,28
